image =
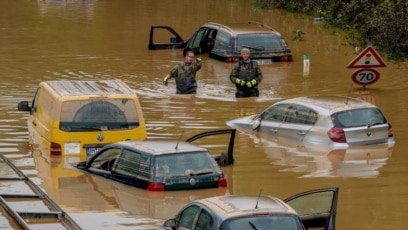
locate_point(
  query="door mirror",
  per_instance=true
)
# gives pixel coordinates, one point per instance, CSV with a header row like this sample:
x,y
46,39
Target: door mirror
x,y
256,124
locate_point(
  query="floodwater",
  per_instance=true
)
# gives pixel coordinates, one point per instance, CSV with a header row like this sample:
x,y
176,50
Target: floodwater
x,y
101,39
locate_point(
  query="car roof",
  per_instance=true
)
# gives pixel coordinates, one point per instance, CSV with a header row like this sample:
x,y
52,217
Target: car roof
x,y
242,205
243,28
330,104
70,88
160,147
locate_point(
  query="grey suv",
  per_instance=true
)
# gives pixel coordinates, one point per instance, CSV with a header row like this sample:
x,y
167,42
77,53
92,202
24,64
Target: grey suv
x,y
225,41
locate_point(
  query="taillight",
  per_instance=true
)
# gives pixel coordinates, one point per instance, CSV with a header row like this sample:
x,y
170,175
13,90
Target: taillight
x,y
55,149
222,182
155,186
390,132
337,135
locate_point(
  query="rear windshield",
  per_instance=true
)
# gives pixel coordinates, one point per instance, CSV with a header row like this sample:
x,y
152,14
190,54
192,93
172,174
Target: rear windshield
x,y
260,42
185,163
358,117
98,115
281,222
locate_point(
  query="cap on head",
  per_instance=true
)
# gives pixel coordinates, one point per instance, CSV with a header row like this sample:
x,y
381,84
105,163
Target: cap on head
x,y
245,51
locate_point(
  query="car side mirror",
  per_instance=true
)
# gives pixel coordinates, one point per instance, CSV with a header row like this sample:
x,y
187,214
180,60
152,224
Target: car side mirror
x,y
256,124
23,106
170,223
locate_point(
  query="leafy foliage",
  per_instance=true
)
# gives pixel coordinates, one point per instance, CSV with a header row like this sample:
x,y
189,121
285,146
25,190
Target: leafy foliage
x,y
380,23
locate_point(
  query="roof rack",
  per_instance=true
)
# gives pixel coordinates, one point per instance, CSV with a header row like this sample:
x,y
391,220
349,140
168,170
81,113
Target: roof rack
x,y
39,210
262,25
219,25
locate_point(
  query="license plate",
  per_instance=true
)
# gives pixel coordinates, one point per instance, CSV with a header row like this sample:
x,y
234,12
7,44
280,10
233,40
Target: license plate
x,y
264,61
91,151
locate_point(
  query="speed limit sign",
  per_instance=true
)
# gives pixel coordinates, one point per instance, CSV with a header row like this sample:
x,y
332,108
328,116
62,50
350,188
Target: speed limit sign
x,y
365,76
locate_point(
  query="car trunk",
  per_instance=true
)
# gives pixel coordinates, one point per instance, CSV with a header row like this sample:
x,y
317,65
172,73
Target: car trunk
x,y
365,135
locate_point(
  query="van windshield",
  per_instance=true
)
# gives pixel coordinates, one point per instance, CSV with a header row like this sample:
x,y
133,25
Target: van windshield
x,y
98,115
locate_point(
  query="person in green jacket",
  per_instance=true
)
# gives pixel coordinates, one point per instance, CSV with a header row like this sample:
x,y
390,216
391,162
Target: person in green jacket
x,y
246,75
185,74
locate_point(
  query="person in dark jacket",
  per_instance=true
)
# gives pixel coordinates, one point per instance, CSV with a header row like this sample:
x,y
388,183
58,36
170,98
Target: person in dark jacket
x,y
185,74
246,75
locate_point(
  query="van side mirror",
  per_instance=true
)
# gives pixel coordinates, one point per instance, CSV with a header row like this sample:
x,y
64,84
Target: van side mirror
x,y
174,40
23,106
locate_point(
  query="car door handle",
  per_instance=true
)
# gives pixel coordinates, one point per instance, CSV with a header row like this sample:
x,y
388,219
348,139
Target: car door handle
x,y
301,133
274,130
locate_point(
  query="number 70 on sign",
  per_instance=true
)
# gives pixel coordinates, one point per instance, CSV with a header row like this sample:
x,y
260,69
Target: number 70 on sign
x,y
365,76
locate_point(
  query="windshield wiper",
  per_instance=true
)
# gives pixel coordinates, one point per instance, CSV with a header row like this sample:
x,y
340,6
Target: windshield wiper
x,y
374,123
201,172
253,225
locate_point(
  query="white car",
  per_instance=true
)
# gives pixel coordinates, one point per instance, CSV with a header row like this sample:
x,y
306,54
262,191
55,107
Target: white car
x,y
333,121
315,209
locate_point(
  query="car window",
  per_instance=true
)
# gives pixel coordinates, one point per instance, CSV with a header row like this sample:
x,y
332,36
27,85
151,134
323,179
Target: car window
x,y
276,112
205,220
259,42
264,222
358,117
299,114
131,163
187,217
196,39
180,164
223,42
104,157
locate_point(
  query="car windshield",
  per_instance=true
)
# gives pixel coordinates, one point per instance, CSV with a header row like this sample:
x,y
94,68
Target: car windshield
x,y
98,115
358,117
259,42
181,164
263,222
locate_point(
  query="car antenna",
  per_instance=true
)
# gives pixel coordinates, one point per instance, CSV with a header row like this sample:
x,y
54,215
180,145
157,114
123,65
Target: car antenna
x,y
259,196
348,95
179,140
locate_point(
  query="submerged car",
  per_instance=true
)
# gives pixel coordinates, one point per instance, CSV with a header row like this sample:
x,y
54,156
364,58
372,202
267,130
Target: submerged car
x,y
315,209
334,121
225,41
162,165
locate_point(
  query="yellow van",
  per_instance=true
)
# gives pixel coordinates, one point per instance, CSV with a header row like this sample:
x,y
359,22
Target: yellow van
x,y
79,117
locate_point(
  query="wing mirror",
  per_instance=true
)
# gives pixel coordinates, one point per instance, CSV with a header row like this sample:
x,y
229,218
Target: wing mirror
x,y
256,124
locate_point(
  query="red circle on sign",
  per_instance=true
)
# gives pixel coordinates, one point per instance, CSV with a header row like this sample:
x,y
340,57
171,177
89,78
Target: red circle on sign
x,y
365,76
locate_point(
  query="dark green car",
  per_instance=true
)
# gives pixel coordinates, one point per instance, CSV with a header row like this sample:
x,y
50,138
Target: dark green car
x,y
162,165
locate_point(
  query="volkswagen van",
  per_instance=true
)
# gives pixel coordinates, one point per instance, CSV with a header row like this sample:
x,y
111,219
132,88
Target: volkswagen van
x,y
77,117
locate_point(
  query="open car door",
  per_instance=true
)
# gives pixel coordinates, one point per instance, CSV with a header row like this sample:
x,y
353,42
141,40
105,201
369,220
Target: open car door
x,y
316,208
165,37
224,158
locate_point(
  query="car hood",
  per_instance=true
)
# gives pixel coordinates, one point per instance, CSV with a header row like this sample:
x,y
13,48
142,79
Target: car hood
x,y
242,122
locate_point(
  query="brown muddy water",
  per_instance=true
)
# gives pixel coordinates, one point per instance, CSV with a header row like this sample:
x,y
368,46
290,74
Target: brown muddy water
x,y
101,39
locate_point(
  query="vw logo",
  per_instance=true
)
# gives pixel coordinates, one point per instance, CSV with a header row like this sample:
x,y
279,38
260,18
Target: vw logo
x,y
100,137
192,181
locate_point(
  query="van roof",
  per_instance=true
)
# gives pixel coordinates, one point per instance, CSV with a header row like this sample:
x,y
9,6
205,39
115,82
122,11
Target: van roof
x,y
66,88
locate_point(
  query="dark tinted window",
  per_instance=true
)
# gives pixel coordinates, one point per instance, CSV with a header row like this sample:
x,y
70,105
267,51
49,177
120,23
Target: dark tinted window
x,y
358,117
259,42
133,164
196,40
223,42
